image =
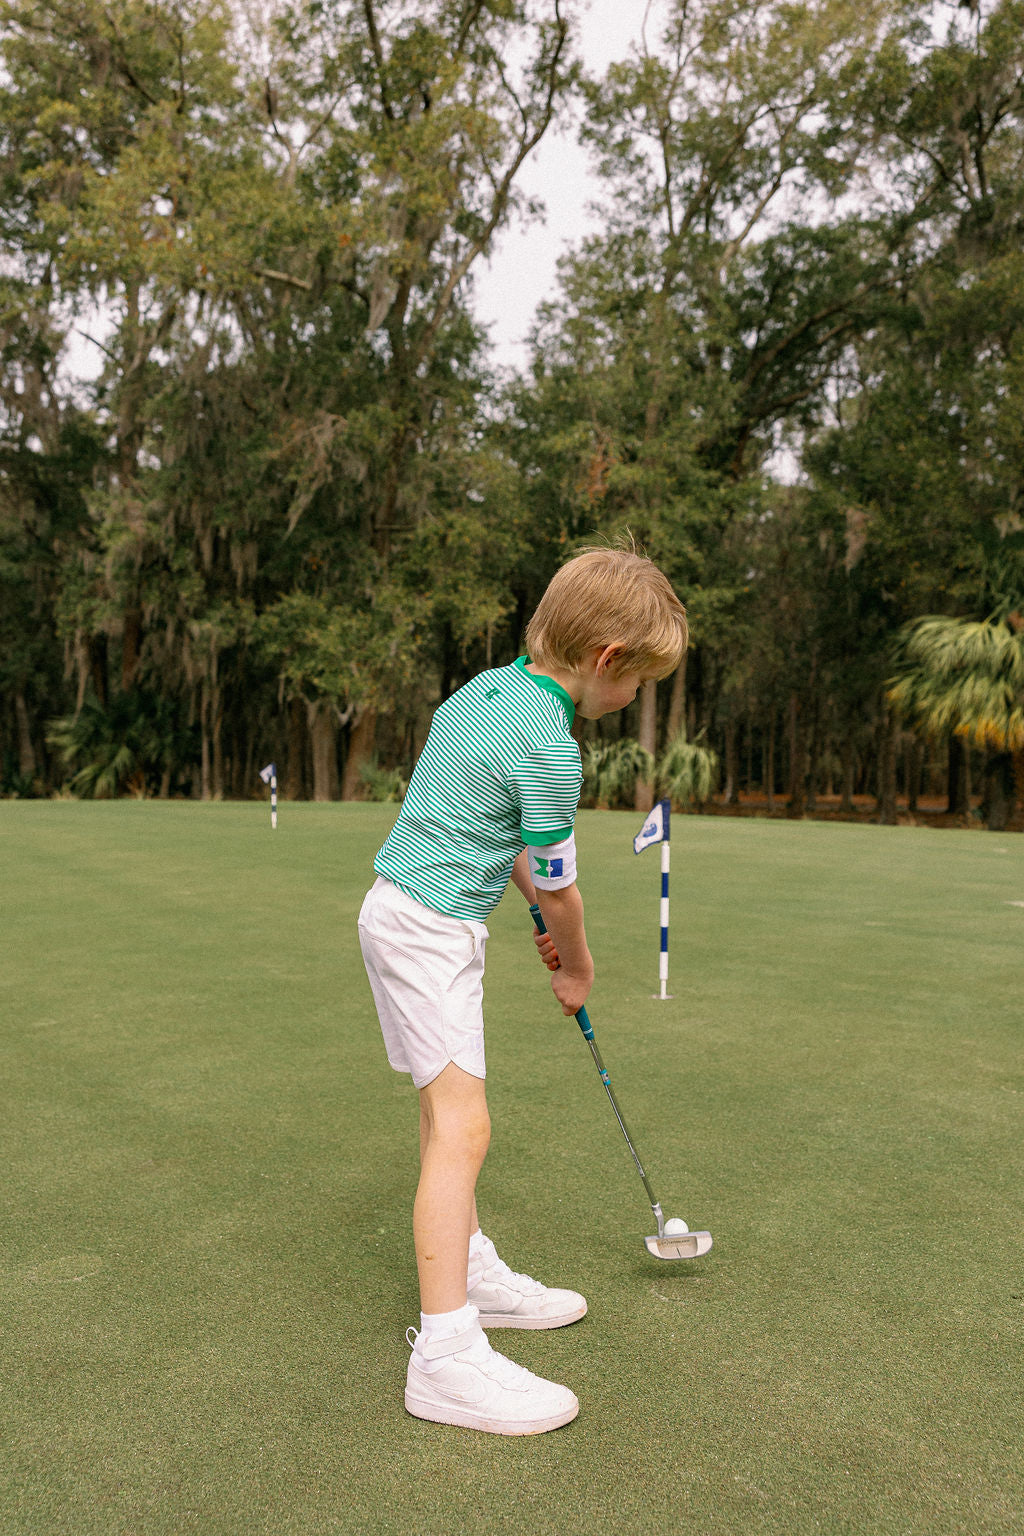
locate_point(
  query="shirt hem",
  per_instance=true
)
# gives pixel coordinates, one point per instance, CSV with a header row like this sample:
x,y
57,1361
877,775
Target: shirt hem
x,y
433,906
542,839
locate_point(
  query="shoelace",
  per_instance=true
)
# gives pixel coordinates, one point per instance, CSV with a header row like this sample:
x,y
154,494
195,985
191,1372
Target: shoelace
x,y
499,1367
499,1270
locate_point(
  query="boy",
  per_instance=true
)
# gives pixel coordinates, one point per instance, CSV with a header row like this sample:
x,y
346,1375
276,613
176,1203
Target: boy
x,y
494,795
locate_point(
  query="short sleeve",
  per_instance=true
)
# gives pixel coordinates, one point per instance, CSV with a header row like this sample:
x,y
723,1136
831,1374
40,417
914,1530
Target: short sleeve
x,y
546,786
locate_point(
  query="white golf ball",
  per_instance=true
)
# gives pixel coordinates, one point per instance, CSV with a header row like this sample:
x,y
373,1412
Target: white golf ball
x,y
675,1227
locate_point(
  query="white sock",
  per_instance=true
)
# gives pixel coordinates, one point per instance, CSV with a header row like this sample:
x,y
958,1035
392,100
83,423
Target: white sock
x,y
443,1325
476,1243
482,1254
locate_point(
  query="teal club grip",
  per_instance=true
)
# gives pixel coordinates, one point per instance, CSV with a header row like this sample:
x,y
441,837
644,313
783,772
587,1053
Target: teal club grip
x,y
581,1017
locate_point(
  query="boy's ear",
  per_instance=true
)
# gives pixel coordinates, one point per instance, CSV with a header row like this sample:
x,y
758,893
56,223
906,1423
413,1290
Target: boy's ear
x,y
608,656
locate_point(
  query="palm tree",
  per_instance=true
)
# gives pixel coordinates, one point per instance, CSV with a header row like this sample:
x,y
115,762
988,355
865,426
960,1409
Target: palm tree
x,y
130,743
966,677
687,771
611,769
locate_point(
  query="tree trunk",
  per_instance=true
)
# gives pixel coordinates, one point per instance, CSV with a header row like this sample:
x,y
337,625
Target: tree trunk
x,y
217,733
731,794
769,765
204,751
648,737
1018,782
323,731
677,702
26,751
886,805
968,778
797,761
82,666
130,641
998,790
812,770
915,764
294,776
360,750
812,739
212,723
98,666
958,798
848,757
450,662
695,687
249,771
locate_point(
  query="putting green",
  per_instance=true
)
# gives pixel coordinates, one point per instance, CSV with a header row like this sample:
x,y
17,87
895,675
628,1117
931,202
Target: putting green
x,y
208,1171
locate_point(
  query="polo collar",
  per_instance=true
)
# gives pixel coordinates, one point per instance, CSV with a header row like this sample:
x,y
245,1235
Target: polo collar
x,y
548,684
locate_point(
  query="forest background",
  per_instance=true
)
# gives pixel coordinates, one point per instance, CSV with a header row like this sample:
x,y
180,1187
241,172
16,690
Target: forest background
x,y
299,503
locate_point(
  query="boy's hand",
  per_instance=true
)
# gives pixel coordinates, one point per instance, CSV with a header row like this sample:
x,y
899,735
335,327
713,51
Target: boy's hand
x,y
571,965
571,990
546,950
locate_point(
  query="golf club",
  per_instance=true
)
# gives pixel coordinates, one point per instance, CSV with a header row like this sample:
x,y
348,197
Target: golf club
x,y
663,1245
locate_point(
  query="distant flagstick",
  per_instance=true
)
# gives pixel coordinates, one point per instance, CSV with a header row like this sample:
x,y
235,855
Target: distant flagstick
x,y
269,776
656,830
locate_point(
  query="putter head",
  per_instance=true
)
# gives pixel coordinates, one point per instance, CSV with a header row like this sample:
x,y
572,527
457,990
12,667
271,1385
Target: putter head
x,y
688,1245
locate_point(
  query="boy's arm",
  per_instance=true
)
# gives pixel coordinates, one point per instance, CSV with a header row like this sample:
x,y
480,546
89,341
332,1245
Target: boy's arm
x,y
521,877
521,880
562,912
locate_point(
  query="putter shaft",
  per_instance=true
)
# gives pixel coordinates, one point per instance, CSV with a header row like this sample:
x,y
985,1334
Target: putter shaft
x,y
684,1245
588,1034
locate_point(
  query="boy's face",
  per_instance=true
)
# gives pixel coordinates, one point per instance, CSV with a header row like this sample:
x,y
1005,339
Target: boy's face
x,y
604,689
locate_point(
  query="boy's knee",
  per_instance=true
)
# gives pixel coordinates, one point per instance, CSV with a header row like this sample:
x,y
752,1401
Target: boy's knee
x,y
467,1132
455,1116
475,1133
481,1132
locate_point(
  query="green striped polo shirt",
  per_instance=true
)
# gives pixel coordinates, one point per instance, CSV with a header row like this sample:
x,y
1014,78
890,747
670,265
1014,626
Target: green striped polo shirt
x,y
499,770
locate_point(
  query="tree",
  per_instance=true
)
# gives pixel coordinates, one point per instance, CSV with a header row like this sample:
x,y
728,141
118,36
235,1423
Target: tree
x,y
923,457
278,221
966,677
709,318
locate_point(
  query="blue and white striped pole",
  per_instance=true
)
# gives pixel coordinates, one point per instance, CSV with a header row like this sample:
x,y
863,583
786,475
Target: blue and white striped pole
x,y
269,776
663,956
656,830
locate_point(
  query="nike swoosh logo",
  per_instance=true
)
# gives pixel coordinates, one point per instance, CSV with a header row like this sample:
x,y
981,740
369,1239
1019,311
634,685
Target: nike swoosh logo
x,y
498,1296
472,1398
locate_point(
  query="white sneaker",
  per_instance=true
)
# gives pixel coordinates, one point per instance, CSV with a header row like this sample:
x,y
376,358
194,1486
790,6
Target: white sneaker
x,y
507,1300
462,1380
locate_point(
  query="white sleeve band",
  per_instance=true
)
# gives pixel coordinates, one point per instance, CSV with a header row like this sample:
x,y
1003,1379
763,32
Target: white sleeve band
x,y
553,867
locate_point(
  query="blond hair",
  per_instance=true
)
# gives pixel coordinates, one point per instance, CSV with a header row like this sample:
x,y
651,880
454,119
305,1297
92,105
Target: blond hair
x,y
609,597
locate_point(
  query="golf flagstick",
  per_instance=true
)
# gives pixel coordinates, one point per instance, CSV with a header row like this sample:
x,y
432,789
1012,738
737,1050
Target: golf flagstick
x,y
656,830
685,1245
269,776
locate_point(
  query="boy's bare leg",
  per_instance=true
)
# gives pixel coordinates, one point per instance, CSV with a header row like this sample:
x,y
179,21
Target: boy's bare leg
x,y
424,1138
455,1131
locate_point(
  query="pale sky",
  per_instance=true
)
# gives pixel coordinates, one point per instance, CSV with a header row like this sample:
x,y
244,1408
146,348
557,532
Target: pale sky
x,y
521,271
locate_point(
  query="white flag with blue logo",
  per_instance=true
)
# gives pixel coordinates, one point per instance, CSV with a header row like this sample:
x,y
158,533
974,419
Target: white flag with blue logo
x,y
653,829
268,773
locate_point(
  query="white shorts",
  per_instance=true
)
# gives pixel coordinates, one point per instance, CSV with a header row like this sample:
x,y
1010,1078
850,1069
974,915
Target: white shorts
x,y
426,972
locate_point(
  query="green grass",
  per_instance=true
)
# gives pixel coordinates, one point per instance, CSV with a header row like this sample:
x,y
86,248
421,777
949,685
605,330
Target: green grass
x,y
208,1170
